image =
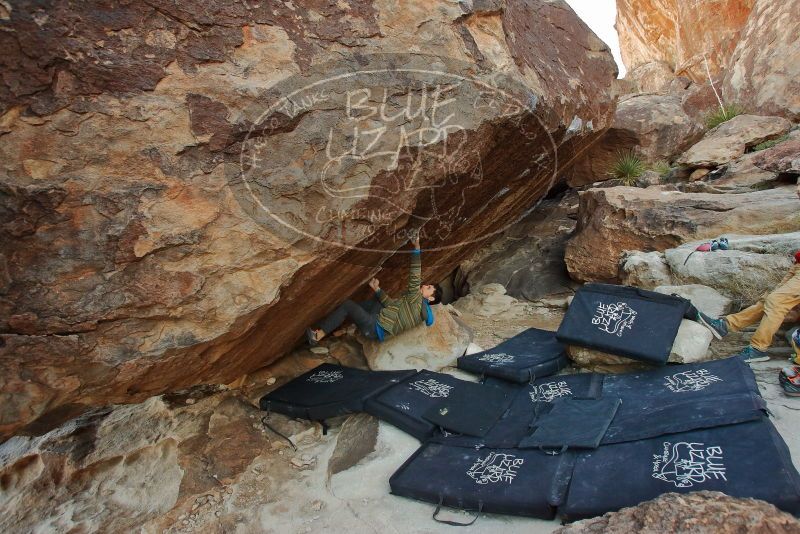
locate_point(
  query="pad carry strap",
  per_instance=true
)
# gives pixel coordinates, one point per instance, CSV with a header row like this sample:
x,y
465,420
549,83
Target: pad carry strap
x,y
455,523
531,377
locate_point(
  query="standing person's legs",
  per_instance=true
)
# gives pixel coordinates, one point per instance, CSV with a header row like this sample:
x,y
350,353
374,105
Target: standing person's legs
x,y
746,317
364,320
776,306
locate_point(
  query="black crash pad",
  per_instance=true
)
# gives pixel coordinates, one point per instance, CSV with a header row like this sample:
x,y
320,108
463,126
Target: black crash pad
x,y
679,398
528,402
742,460
403,404
329,390
572,424
622,320
530,354
472,409
579,386
504,481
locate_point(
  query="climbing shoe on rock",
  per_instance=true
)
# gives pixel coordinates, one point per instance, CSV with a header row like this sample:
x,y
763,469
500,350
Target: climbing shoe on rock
x,y
752,354
311,337
718,327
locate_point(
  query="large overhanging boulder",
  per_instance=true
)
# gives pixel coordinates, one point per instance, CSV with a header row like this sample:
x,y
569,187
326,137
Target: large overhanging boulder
x,y
189,184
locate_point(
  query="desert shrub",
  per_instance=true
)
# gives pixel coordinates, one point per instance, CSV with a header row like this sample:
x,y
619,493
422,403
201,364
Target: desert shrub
x,y
627,167
771,143
722,114
662,167
746,292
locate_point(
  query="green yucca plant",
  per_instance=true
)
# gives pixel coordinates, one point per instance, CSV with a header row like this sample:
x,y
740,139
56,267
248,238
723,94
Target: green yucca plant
x,y
725,113
627,167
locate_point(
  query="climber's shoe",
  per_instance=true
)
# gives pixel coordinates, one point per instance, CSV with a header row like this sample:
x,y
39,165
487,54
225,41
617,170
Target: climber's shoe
x,y
751,354
718,327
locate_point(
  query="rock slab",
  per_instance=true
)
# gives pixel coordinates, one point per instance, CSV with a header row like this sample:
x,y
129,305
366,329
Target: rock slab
x,y
704,298
739,275
422,347
647,270
730,139
700,512
690,346
613,220
782,158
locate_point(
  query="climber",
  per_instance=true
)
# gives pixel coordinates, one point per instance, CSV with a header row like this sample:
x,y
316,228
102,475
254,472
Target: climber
x,y
381,315
770,311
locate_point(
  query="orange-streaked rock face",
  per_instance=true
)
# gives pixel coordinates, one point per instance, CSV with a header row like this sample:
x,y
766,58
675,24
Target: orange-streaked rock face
x,y
763,74
678,34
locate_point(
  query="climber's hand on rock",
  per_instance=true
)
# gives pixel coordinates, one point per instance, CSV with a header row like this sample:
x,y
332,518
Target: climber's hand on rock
x,y
375,284
415,240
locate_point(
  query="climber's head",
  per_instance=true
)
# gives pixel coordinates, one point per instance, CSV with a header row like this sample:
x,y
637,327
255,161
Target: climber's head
x,y
432,292
797,257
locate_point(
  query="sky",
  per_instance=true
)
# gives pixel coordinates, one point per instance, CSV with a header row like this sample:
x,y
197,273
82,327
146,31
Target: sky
x,y
599,15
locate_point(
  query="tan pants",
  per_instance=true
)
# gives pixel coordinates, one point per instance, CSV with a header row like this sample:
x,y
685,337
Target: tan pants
x,y
771,311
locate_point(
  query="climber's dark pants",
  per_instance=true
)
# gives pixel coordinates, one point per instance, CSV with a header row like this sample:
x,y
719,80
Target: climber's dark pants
x,y
363,314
